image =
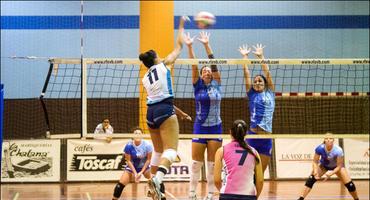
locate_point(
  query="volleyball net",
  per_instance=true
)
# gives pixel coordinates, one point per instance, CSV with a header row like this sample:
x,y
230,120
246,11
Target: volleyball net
x,y
313,96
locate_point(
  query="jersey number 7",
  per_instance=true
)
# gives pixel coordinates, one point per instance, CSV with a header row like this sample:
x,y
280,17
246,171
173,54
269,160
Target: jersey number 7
x,y
243,157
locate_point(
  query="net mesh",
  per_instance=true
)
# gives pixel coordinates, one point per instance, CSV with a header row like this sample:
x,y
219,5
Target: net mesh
x,y
310,98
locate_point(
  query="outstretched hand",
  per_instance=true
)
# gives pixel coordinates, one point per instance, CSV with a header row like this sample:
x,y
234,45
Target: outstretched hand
x,y
188,40
244,50
204,37
258,50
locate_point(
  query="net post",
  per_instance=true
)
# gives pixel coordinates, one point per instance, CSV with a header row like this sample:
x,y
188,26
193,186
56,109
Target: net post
x,y
84,98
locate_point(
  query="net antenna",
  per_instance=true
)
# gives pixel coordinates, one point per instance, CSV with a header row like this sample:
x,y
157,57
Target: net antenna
x,y
41,98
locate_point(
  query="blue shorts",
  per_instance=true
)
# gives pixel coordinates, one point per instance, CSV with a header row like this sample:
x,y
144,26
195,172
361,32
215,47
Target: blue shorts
x,y
158,113
237,197
216,130
263,146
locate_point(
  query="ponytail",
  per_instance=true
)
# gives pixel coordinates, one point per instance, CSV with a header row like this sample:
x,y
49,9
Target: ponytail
x,y
238,132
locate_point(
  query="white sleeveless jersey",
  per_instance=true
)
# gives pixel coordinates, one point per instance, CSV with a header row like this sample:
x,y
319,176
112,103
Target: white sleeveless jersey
x,y
158,83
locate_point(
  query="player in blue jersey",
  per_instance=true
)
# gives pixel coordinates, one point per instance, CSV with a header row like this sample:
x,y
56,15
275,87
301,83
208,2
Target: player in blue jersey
x,y
207,92
261,104
161,119
137,154
328,160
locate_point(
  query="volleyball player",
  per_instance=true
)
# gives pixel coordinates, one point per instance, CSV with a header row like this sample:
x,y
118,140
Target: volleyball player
x,y
137,153
261,104
243,175
327,161
161,119
207,92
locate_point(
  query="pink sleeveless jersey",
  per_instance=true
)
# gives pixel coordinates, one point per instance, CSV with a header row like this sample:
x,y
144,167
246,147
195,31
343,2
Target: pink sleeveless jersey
x,y
238,170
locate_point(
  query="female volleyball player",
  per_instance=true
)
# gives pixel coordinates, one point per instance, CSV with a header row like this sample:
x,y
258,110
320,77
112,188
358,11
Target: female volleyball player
x,y
261,104
328,160
137,153
243,176
207,94
161,118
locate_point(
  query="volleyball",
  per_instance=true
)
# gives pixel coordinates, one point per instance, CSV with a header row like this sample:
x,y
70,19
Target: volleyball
x,y
204,19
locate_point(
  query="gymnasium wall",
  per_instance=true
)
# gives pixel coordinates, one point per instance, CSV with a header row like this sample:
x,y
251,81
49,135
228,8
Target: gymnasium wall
x,y
289,29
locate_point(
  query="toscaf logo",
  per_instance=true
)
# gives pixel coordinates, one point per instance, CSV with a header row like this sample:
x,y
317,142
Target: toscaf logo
x,y
97,162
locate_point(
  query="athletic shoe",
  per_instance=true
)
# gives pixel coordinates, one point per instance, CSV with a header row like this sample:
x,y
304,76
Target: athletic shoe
x,y
154,188
163,196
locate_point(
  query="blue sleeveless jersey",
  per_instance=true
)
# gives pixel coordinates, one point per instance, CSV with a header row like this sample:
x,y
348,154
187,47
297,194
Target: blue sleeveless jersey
x,y
138,153
329,159
261,108
207,103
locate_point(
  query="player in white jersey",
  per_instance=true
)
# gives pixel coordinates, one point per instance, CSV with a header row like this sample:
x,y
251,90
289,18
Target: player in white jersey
x,y
241,165
261,98
161,119
327,161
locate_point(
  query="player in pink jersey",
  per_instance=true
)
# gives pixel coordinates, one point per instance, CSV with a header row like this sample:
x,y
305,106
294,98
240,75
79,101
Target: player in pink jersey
x,y
240,165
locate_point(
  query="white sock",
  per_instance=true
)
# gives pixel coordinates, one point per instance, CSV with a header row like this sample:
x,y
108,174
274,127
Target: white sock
x,y
160,174
194,176
210,178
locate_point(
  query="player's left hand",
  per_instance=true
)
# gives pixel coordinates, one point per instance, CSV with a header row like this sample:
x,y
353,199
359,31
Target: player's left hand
x,y
108,139
186,117
138,176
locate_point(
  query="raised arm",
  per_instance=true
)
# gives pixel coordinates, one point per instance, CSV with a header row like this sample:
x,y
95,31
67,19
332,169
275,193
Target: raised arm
x,y
171,58
189,42
204,38
258,52
244,50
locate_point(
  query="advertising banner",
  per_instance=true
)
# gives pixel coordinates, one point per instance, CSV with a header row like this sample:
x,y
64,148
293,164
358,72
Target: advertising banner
x,y
356,155
89,160
30,161
294,157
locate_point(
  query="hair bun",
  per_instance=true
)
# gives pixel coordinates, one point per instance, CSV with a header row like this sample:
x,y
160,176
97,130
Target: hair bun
x,y
142,56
